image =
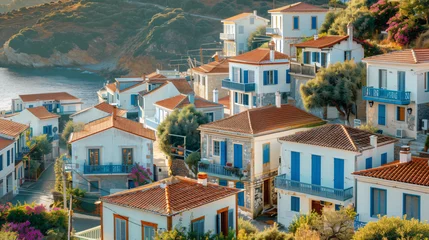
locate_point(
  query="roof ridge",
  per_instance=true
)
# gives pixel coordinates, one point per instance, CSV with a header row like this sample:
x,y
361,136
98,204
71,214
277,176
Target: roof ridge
x,y
414,56
250,122
349,137
167,199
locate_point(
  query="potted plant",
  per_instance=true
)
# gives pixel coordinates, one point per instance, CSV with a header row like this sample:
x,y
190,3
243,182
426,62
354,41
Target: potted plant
x,y
245,173
228,164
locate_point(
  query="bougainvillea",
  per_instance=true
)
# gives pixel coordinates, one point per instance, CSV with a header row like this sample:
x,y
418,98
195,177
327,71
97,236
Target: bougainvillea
x,y
140,175
37,209
383,10
402,29
24,230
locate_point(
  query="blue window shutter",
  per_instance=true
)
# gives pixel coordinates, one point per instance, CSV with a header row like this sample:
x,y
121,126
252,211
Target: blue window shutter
x,y
313,56
295,22
338,173
218,223
223,182
276,77
313,22
245,99
132,100
316,170
337,207
368,163
236,97
323,59
383,158
295,166
44,129
381,114
12,155
371,202
266,153
238,155
306,57
240,185
201,227
287,76
265,77
223,153
295,205
1,162
231,218
8,158
245,76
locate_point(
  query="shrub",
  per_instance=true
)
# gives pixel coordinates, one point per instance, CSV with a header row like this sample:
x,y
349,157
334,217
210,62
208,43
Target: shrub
x,y
140,175
368,127
69,128
246,226
8,235
192,161
273,233
24,231
304,220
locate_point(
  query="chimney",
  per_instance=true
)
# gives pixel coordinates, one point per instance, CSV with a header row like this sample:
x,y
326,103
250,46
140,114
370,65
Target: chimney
x,y
215,95
202,178
272,46
216,57
278,100
255,13
191,98
350,31
315,36
405,154
373,140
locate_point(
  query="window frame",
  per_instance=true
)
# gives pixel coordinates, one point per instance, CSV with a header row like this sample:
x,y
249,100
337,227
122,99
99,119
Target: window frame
x,y
126,157
207,115
404,204
214,147
347,55
398,117
311,19
90,186
270,78
371,201
292,209
293,22
202,218
89,156
117,216
252,20
426,81
266,161
148,224
380,80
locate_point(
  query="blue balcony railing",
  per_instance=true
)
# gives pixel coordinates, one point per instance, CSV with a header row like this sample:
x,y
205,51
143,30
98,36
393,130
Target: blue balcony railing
x,y
107,169
244,87
220,170
282,182
358,224
386,96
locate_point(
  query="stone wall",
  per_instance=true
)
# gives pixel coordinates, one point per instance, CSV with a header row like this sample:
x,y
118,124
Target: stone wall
x,y
319,112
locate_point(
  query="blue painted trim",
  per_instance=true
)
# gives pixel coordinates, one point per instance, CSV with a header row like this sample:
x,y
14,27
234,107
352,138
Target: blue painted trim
x,y
294,204
372,202
368,163
383,158
403,203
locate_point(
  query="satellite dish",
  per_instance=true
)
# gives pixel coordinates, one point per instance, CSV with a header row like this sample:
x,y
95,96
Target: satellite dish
x,y
55,129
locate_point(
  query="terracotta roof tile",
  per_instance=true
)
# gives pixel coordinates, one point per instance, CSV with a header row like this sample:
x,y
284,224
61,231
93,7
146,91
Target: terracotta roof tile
x,y
178,195
263,119
107,108
413,172
258,56
225,102
323,42
182,85
109,122
221,66
180,101
155,75
42,113
408,56
11,129
111,87
5,142
298,7
57,96
238,16
339,137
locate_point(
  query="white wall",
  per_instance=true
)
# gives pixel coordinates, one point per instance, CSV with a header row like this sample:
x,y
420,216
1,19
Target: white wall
x,y
150,99
26,117
8,170
125,97
375,153
304,24
90,115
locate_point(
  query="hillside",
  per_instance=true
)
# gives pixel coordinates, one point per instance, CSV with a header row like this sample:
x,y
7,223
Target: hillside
x,y
10,5
127,37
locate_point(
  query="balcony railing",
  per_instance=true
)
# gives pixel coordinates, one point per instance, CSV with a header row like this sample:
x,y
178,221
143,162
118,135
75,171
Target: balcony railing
x,y
151,123
386,96
227,36
89,234
244,87
107,169
282,182
221,170
272,31
303,69
358,224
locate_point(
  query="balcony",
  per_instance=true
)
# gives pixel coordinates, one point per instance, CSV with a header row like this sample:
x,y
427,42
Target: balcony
x,y
227,36
282,182
272,31
309,70
386,96
89,234
243,87
151,123
107,169
221,171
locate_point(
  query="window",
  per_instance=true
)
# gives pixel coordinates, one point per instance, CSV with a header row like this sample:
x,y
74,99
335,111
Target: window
x,y
400,114
94,157
315,57
287,76
210,116
197,227
368,163
255,101
148,230
121,227
270,77
412,206
127,156
240,29
294,204
295,23
94,186
324,59
347,55
30,106
216,148
8,158
382,78
401,81
47,130
241,98
378,202
313,22
252,20
250,76
383,158
130,184
12,152
266,153
236,76
134,99
306,57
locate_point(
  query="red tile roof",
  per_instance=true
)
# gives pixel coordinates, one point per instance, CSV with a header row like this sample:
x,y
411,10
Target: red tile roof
x,y
264,119
109,122
170,196
180,101
111,86
322,42
155,75
414,172
182,85
105,107
258,56
339,137
298,7
5,142
221,66
57,96
11,129
408,56
238,16
225,102
42,113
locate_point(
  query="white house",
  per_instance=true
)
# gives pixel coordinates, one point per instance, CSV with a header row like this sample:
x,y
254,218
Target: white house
x,y
12,150
98,111
255,77
209,77
40,120
57,102
396,92
242,151
236,32
105,151
292,23
317,166
173,203
395,190
212,110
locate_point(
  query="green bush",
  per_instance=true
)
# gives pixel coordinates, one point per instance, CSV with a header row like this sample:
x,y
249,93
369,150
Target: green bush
x,y
368,128
247,226
273,233
192,161
303,220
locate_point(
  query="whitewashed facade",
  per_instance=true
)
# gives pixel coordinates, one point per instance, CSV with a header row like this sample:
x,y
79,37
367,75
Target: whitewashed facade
x,y
95,112
61,102
48,126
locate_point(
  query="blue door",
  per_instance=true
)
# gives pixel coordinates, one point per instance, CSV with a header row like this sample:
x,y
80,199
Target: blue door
x,y
383,158
240,185
338,173
381,114
316,170
287,76
368,163
223,153
238,155
295,166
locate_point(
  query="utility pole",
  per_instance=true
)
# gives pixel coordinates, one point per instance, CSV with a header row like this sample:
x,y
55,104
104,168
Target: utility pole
x,y
64,186
70,218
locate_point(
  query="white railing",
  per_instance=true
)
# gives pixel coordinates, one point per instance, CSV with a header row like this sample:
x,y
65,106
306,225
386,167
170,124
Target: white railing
x,y
227,36
89,234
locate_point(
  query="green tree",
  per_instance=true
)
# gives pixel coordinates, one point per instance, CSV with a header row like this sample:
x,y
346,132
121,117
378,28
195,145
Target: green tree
x,y
69,128
257,38
43,147
337,85
337,224
415,9
192,161
184,123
